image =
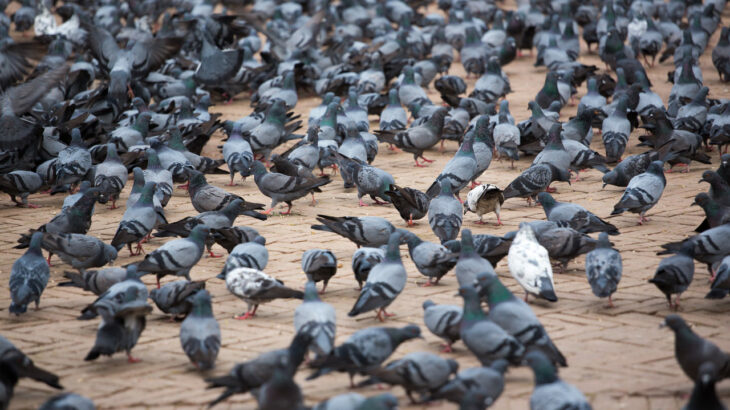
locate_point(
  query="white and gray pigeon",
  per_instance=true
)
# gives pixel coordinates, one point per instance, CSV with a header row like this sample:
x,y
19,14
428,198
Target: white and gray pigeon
x,y
385,282
458,171
73,163
516,317
470,263
529,264
487,381
363,260
604,268
445,213
255,287
173,297
371,231
417,372
320,265
484,338
200,334
483,199
551,393
66,401
122,308
643,192
28,277
573,215
176,257
432,260
137,222
252,254
443,321
110,176
317,319
79,251
21,183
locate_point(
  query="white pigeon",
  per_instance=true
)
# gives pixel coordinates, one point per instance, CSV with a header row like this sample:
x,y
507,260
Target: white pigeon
x,y
484,199
529,264
256,287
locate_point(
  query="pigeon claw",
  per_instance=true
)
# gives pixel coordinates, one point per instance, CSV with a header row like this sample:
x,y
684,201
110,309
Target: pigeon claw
x,y
446,348
361,203
132,359
214,255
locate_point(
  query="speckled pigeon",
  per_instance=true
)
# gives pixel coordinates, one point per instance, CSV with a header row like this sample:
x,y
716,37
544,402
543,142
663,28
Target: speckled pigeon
x,y
255,287
604,268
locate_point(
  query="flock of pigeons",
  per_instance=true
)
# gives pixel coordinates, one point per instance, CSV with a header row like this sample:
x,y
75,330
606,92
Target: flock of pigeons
x,y
125,87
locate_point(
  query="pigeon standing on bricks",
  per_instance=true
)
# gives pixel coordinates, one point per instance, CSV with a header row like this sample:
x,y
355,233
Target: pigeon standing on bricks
x,y
320,265
445,214
604,268
643,192
28,277
317,319
200,334
529,264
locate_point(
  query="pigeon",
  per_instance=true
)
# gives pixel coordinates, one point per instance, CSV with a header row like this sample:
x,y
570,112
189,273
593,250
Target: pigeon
x,y
15,365
280,392
68,401
484,338
707,247
458,171
252,254
417,138
530,265
393,116
73,163
418,372
643,192
616,130
721,284
561,242
159,175
443,321
364,350
411,203
488,382
319,265
255,287
28,277
371,231
369,180
385,282
283,188
574,216
603,268
231,237
363,260
79,251
206,197
516,317
254,373
346,401
490,247
137,221
316,319
534,180
674,274
550,392
483,147
445,213
174,298
630,167
484,199
432,260
200,334
700,359
506,139
122,308
470,263
95,281
721,55
110,176
176,257
704,396
21,183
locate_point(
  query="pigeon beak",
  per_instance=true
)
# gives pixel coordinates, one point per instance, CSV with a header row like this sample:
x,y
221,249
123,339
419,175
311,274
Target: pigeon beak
x,y
662,325
693,203
701,180
604,185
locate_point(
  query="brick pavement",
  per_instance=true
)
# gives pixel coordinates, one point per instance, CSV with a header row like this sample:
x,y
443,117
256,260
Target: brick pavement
x,y
618,357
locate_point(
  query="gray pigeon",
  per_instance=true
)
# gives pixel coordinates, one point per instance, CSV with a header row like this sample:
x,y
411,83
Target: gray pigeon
x,y
122,308
251,254
470,263
674,274
363,260
206,197
574,215
229,238
176,257
79,251
484,338
345,401
173,298
432,260
488,381
95,281
550,392
721,281
554,152
280,392
643,192
385,401
461,169
516,317
385,282
255,287
445,214
159,175
73,163
534,180
238,155
16,365
21,183
364,350
393,116
709,247
616,130
283,188
700,359
110,176
443,321
84,186
419,137
28,277
603,268
137,222
200,334
418,372
374,182
371,231
65,401
630,167
317,319
320,265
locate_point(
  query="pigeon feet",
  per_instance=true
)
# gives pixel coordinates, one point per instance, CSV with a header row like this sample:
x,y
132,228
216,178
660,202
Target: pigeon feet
x,y
410,220
394,148
426,159
214,255
185,186
551,190
419,165
380,202
361,203
248,315
446,348
132,359
474,184
610,302
643,219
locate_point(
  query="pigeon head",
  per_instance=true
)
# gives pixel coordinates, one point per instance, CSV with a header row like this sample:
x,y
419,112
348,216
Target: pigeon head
x,y
609,178
467,242
675,322
656,168
111,153
427,304
500,365
408,75
138,180
199,233
110,253
148,192
201,303
258,168
546,200
603,241
445,187
405,333
710,177
118,82
393,251
35,243
196,178
544,370
385,401
472,309
310,291
491,288
393,97
84,186
702,200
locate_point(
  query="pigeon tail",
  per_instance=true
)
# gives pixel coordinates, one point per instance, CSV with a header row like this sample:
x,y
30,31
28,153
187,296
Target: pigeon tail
x,y
106,342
